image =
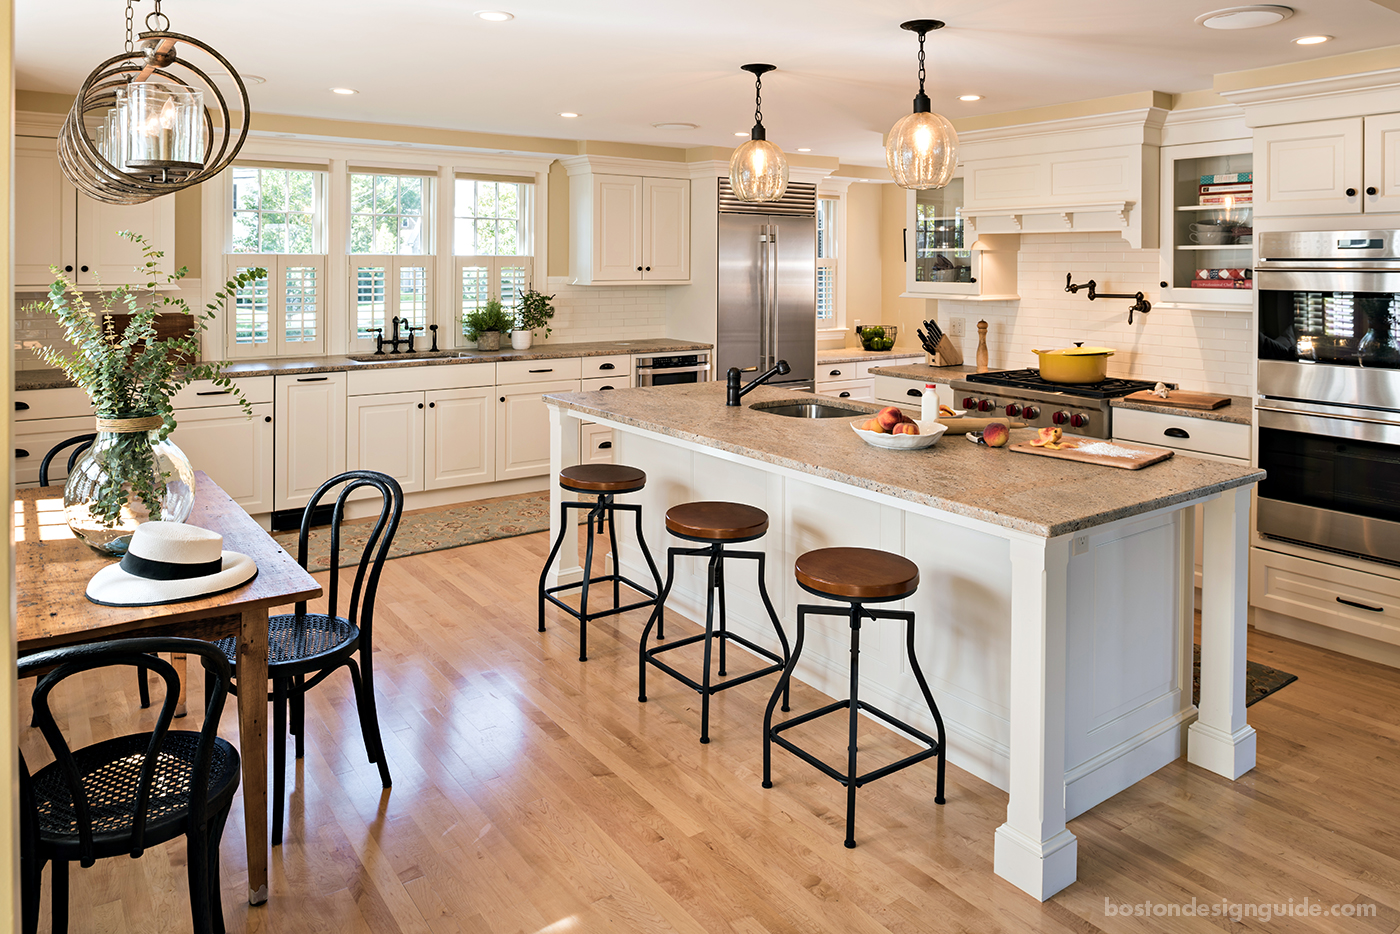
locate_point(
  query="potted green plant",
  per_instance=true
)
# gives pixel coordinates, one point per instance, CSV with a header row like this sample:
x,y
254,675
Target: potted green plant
x,y
534,311
132,473
485,324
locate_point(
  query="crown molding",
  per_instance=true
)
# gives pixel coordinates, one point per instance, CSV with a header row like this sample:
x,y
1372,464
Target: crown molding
x,y
616,165
1352,95
30,123
1140,125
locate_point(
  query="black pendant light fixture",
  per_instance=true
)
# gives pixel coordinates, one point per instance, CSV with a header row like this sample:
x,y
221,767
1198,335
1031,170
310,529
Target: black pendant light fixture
x,y
139,128
922,148
758,170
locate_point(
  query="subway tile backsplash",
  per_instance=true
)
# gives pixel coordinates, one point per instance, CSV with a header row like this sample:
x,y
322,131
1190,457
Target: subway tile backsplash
x,y
1210,351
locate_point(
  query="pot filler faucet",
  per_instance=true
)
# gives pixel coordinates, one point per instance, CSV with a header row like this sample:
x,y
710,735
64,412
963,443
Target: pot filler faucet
x,y
733,392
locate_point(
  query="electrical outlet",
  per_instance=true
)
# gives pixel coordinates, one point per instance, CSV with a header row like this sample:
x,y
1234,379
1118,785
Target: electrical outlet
x,y
1081,543
956,327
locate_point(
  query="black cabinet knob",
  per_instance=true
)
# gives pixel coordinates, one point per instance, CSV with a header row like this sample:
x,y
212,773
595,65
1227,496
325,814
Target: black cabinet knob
x,y
1371,190
84,269
1162,284
503,398
1351,192
67,268
431,405
267,418
639,269
648,269
420,405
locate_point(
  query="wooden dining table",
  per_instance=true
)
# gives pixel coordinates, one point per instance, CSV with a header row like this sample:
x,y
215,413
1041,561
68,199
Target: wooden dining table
x,y
53,567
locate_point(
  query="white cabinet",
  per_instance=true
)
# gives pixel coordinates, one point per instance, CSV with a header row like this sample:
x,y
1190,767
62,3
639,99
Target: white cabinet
x,y
233,449
459,428
595,444
938,257
628,229
55,225
1381,169
908,393
384,432
522,428
309,421
1349,166
1206,247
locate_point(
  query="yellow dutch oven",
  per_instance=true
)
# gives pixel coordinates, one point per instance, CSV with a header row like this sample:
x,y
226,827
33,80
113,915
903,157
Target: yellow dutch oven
x,y
1074,364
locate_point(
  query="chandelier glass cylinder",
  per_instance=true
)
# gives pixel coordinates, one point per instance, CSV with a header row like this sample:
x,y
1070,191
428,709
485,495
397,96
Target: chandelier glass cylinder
x,y
758,170
921,149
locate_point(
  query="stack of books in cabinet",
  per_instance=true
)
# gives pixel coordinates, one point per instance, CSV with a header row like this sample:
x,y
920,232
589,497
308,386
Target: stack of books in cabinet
x,y
1232,194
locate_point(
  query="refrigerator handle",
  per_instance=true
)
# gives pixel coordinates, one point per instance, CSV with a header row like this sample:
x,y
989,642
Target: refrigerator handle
x,y
773,295
763,297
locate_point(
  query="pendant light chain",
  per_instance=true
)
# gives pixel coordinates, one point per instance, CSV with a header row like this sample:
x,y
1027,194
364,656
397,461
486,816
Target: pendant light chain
x,y
921,59
758,99
130,29
157,21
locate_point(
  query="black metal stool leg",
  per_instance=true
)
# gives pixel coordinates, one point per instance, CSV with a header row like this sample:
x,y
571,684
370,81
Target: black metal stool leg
x,y
583,594
553,553
933,709
852,745
777,626
716,558
723,614
612,543
657,617
781,688
655,574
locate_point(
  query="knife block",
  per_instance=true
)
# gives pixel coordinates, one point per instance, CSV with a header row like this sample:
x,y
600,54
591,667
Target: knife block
x,y
948,354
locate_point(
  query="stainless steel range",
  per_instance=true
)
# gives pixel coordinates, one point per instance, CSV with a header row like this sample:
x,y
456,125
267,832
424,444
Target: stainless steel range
x,y
1080,408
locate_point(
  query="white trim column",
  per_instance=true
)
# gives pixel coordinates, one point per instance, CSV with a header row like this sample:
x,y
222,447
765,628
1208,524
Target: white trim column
x,y
1033,849
1221,740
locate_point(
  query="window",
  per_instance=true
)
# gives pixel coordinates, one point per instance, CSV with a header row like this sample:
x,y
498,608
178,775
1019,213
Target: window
x,y
388,214
383,288
827,209
391,269
493,241
277,210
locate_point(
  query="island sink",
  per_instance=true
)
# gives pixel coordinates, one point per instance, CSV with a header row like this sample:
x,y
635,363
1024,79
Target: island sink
x,y
807,410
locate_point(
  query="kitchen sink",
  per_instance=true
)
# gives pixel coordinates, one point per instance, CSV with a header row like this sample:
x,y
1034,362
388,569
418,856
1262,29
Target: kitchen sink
x,y
807,410
387,357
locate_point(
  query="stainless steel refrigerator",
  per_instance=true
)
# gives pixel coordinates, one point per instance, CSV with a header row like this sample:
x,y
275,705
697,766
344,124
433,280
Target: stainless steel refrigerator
x,y
768,286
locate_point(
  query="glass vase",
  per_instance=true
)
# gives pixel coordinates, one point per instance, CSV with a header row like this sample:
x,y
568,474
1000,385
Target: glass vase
x,y
128,476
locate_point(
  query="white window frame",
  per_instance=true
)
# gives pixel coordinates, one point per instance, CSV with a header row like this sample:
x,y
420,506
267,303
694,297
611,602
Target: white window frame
x,y
393,266
495,265
835,190
318,212
278,266
525,211
429,215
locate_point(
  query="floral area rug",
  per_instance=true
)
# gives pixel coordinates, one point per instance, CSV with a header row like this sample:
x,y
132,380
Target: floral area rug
x,y
1259,681
424,530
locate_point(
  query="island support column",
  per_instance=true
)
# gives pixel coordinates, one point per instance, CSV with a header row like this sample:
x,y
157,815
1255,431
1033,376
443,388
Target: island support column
x,y
1220,739
563,452
1033,849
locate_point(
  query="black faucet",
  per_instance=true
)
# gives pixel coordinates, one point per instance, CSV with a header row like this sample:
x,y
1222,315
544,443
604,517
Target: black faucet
x,y
395,340
733,392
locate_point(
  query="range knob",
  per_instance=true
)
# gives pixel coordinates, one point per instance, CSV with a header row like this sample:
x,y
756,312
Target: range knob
x,y
1031,412
1013,409
985,405
1079,421
1060,418
969,402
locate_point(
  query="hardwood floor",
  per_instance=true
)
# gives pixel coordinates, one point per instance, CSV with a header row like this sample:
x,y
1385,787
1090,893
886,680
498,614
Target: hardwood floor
x,y
534,794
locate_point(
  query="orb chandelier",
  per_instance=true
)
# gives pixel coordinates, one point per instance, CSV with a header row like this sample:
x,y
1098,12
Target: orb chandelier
x,y
139,128
922,148
758,170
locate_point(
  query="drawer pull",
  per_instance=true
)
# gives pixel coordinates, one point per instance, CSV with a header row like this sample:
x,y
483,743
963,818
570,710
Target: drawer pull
x,y
845,395
21,406
835,373
312,379
1177,433
604,445
550,370
1361,606
21,452
605,388
915,393
213,392
607,366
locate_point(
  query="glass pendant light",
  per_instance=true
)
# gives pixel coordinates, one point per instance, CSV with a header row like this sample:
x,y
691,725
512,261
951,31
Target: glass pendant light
x,y
922,148
758,170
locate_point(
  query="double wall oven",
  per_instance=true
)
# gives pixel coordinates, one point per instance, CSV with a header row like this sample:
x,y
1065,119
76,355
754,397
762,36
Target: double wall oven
x,y
1329,390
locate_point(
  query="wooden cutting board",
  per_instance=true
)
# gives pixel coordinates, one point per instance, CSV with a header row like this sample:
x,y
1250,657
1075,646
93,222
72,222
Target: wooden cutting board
x,y
961,426
1148,456
1180,399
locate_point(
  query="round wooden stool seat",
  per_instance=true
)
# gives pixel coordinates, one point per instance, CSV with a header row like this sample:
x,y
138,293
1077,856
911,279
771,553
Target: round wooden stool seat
x,y
857,574
602,478
716,522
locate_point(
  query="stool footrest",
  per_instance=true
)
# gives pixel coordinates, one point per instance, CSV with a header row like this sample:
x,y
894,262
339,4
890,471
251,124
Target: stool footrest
x,y
549,594
649,656
882,771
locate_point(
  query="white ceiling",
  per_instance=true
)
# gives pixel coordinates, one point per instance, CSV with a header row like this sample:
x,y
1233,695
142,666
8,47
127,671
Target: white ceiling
x,y
846,70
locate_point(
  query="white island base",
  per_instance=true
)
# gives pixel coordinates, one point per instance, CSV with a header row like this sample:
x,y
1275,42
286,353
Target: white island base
x,y
1062,665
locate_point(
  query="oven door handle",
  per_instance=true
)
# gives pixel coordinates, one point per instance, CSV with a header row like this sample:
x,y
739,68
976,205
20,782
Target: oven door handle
x,y
653,370
1346,427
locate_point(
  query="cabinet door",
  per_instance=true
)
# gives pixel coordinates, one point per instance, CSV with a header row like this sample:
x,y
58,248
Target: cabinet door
x,y
617,227
459,429
44,212
1382,163
595,444
385,433
522,429
104,256
1307,168
309,435
666,229
233,449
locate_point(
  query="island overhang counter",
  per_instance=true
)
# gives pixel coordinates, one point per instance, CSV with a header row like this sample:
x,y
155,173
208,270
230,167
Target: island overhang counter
x,y
1056,604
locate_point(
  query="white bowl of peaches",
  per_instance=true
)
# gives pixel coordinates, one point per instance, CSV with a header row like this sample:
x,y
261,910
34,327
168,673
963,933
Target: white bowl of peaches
x,y
890,428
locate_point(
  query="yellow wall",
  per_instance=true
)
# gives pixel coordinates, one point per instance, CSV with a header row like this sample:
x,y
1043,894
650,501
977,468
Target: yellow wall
x,y
9,685
864,210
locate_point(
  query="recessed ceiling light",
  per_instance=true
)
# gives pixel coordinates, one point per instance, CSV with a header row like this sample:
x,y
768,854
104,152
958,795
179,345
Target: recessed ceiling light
x,y
344,91
804,150
970,97
741,133
676,126
565,113
1245,17
495,16
1311,40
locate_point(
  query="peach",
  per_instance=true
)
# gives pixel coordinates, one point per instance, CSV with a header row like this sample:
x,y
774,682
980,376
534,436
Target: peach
x,y
888,417
996,435
906,428
873,425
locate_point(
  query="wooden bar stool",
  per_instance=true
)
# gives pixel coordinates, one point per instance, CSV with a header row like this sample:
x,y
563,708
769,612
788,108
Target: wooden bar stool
x,y
857,576
717,525
604,481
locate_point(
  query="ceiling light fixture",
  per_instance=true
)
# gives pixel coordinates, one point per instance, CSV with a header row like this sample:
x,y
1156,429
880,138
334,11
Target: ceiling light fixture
x,y
1311,40
804,150
922,148
495,16
568,114
758,170
152,133
1245,17
344,91
969,98
676,126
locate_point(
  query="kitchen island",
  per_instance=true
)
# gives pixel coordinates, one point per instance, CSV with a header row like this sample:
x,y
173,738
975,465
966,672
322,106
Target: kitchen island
x,y
1055,617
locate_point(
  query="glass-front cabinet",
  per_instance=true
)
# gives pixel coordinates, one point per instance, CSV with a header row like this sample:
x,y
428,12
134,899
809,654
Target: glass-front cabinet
x,y
939,259
1208,224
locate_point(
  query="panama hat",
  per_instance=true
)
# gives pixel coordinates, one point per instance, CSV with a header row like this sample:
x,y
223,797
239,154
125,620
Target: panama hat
x,y
170,562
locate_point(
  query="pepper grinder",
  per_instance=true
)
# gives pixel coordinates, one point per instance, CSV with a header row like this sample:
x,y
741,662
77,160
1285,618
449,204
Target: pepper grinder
x,y
981,346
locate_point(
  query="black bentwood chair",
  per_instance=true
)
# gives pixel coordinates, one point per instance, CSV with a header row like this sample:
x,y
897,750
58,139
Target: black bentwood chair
x,y
123,795
83,442
304,648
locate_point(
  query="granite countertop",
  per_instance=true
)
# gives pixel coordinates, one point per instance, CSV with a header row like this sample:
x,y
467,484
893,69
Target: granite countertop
x,y
923,373
1240,411
296,366
1037,495
856,355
